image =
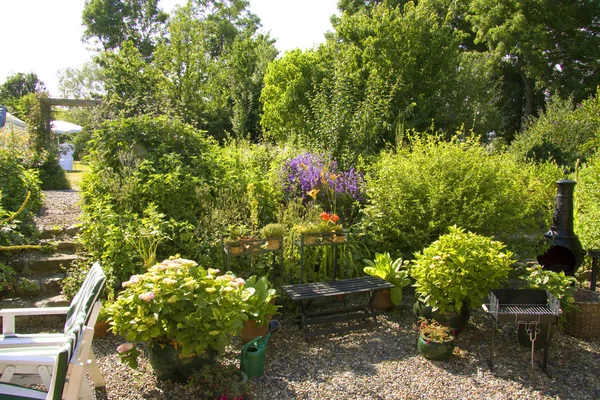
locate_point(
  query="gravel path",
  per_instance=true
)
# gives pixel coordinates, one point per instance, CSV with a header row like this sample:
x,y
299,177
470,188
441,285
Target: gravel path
x,y
380,363
384,363
61,209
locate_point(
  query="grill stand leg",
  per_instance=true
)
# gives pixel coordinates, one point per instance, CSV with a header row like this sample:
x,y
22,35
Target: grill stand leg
x,y
544,364
491,359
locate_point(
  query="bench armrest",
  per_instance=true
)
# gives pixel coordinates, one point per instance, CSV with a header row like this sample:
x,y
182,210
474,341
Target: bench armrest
x,y
8,315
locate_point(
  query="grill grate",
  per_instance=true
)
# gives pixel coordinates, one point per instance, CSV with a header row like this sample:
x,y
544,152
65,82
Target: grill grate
x,y
524,309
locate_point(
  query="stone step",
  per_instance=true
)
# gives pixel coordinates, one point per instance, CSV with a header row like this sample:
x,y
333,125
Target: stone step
x,y
36,263
48,285
58,232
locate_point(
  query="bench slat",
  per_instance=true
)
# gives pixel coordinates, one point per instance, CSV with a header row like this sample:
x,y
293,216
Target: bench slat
x,y
306,291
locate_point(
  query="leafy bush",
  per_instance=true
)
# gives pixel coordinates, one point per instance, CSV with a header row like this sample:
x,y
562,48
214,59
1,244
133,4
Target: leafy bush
x,y
459,269
137,163
19,190
52,175
562,132
415,194
587,212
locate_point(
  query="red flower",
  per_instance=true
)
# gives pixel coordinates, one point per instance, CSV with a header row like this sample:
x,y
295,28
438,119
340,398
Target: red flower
x,y
325,216
334,218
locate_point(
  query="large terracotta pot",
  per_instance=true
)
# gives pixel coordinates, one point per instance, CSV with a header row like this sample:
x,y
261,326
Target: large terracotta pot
x,y
251,330
382,300
456,321
169,364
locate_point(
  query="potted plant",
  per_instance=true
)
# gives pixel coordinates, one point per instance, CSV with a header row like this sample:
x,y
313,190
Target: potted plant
x,y
455,274
235,238
557,283
102,325
436,341
259,306
184,312
273,233
326,227
391,271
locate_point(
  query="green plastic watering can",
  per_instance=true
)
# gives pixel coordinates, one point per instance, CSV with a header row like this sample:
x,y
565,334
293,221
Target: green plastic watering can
x,y
252,360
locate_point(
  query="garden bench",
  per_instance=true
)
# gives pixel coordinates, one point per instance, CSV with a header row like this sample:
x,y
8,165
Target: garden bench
x,y
305,294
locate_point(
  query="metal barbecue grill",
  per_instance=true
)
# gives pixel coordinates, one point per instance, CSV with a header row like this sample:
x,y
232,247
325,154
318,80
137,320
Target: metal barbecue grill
x,y
533,309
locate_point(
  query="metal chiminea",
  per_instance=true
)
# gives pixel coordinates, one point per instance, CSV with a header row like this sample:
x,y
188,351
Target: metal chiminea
x,y
565,253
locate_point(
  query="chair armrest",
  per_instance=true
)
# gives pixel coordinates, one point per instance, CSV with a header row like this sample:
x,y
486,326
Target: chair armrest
x,y
8,315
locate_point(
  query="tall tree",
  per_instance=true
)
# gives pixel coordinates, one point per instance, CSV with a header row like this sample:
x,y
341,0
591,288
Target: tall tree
x,y
18,85
113,22
553,46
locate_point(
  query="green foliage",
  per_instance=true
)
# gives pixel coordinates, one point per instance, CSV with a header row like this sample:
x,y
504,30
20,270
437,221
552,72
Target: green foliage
x,y
17,86
259,300
459,269
15,183
26,287
178,301
8,279
394,272
553,46
135,163
111,22
415,194
557,283
52,175
587,204
273,230
430,329
562,133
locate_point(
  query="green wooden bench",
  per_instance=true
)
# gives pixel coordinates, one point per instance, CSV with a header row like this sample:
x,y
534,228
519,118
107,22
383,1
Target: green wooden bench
x,y
305,294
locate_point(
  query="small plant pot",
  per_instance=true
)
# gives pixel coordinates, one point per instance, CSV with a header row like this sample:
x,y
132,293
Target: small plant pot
x,y
311,240
339,238
436,351
382,300
251,330
273,244
234,249
101,329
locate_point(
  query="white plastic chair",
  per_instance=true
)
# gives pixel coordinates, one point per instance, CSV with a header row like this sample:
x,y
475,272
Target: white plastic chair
x,y
86,303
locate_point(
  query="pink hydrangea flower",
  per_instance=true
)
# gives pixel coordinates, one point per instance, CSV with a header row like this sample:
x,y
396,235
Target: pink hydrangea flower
x,y
125,347
146,296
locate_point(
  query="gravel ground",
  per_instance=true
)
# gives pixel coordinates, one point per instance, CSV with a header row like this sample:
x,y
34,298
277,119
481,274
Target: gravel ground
x,y
61,209
378,363
383,363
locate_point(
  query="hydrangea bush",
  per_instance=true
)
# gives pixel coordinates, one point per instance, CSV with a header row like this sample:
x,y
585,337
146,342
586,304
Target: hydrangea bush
x,y
180,303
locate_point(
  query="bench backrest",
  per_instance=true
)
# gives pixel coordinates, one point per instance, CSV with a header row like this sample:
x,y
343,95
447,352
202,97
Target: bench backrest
x,y
88,294
68,363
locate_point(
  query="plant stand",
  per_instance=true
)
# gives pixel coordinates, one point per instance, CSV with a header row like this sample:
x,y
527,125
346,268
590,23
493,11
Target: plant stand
x,y
332,239
252,247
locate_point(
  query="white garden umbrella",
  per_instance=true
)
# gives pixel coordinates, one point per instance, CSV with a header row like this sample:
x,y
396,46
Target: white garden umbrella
x,y
60,127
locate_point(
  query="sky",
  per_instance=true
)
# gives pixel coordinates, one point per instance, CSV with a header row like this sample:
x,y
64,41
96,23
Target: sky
x,y
44,36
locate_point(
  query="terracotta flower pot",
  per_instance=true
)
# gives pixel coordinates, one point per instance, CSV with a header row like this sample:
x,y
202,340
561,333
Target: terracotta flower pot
x,y
101,329
273,244
382,300
251,330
